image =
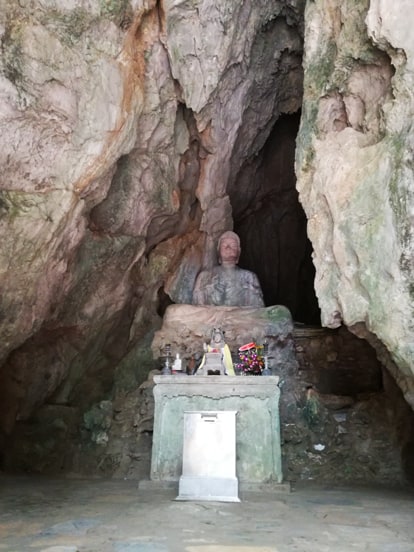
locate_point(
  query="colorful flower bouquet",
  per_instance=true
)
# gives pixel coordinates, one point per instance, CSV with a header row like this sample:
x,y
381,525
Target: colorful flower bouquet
x,y
251,361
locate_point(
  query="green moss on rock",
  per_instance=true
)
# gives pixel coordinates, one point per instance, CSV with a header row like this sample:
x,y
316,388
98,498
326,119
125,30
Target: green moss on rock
x,y
135,367
278,313
70,25
12,53
15,204
398,192
119,11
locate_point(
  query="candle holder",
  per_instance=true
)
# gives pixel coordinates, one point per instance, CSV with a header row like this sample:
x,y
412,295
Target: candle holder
x,y
166,370
266,370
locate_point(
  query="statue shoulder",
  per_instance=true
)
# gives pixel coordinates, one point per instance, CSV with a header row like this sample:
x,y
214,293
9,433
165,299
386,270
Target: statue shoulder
x,y
248,275
207,274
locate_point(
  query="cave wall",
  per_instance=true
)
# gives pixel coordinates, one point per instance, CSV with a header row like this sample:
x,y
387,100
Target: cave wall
x,y
355,171
122,125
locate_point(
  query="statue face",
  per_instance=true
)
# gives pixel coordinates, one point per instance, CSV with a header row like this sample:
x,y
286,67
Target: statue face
x,y
229,251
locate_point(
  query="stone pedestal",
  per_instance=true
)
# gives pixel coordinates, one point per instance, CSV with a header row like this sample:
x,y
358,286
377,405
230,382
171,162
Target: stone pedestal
x,y
187,327
256,400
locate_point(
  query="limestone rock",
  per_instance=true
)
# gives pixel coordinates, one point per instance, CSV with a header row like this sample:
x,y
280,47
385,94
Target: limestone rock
x,y
121,124
355,173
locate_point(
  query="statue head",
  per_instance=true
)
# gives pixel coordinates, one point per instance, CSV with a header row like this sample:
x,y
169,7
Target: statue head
x,y
228,248
217,338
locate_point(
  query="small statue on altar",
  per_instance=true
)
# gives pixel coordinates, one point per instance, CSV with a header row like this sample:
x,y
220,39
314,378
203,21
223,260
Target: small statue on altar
x,y
217,358
227,284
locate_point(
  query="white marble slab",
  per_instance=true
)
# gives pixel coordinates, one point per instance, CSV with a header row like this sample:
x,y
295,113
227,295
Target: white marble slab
x,y
209,456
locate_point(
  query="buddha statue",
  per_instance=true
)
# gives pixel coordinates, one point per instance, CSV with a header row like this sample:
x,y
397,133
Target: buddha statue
x,y
227,284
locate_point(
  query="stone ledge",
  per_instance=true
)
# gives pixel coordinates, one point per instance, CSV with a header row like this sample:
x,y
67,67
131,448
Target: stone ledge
x,y
244,486
272,487
222,380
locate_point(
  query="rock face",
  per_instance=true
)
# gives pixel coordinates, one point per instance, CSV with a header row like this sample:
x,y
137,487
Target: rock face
x,y
122,124
355,173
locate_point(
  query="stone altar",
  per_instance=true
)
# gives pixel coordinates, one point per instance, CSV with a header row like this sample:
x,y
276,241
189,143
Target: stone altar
x,y
256,400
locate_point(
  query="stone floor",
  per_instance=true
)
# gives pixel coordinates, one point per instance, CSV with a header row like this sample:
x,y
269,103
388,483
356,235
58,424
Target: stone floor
x,y
47,515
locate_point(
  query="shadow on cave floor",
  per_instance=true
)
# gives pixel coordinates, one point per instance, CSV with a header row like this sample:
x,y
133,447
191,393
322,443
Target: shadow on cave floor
x,y
43,514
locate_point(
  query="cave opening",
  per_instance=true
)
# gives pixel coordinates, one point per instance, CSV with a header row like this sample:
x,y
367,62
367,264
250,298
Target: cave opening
x,y
271,224
338,374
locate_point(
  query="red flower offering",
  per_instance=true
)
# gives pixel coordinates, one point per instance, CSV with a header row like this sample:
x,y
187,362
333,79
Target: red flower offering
x,y
247,347
250,359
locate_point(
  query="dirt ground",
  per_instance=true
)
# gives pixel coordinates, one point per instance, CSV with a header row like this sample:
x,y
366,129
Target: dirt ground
x,y
67,515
